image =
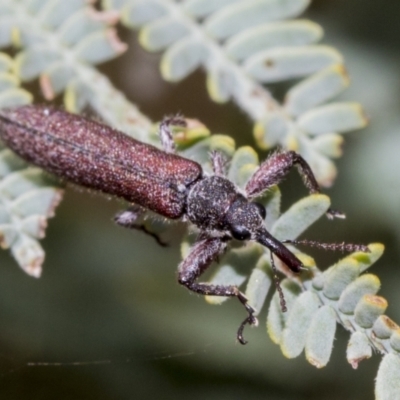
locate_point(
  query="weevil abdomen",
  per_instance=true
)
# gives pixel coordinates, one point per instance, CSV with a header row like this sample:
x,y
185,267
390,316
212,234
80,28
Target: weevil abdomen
x,y
98,157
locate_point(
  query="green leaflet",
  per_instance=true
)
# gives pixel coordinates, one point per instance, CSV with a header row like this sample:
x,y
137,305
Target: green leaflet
x,y
358,349
294,335
300,216
387,385
320,336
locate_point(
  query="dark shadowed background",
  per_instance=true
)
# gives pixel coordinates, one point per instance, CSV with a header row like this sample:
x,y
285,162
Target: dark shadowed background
x,y
108,307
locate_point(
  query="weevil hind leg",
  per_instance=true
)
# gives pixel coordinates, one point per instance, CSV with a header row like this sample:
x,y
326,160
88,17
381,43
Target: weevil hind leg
x,y
201,256
132,218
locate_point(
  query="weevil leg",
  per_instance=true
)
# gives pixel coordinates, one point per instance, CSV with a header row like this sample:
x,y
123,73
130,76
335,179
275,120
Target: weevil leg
x,y
276,167
165,132
218,163
202,254
132,218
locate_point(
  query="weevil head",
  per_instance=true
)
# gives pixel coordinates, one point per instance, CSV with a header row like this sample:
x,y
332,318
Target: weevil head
x,y
214,204
245,219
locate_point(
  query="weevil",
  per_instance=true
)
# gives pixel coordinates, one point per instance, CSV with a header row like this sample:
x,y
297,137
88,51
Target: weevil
x,y
98,157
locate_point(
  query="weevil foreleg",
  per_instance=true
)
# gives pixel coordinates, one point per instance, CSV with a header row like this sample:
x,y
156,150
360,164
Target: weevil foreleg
x,y
165,132
132,218
218,163
275,168
201,256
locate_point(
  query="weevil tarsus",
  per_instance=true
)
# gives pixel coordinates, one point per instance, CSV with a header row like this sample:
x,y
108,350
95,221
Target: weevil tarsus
x,y
201,256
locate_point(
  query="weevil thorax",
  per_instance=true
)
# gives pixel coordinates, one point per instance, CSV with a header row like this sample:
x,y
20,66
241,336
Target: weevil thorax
x,y
215,204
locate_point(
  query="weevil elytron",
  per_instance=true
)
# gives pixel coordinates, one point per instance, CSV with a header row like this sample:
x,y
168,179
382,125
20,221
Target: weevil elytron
x,y
96,156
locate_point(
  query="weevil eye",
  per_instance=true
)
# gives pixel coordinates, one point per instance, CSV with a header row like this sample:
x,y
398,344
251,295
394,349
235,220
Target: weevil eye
x,y
261,210
239,232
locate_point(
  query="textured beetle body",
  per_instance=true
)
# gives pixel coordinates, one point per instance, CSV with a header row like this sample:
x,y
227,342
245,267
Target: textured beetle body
x,y
98,157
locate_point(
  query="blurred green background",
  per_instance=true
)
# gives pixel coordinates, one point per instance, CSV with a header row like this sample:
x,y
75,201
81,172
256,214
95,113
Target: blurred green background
x,y
108,307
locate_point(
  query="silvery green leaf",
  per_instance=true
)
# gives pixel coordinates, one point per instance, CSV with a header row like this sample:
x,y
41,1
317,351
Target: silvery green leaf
x,y
329,144
368,309
276,319
318,281
321,165
57,11
31,62
8,235
162,33
316,90
113,4
76,96
34,6
395,340
201,8
240,16
29,255
4,215
6,9
243,157
279,64
358,348
6,62
276,34
383,327
338,277
320,336
10,162
301,314
225,275
364,284
367,259
272,202
138,12
220,83
38,201
54,80
182,58
387,385
271,130
99,47
336,117
8,81
259,284
34,226
17,183
14,97
82,23
6,26
300,216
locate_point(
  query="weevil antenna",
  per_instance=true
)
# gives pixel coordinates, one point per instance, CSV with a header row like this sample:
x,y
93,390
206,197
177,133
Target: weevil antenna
x,y
343,247
278,283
